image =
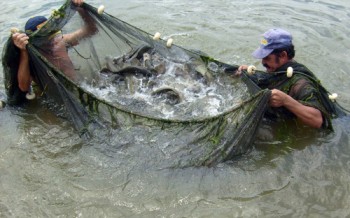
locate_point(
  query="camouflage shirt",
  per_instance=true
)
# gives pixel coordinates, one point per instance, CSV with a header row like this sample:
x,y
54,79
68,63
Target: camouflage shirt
x,y
303,86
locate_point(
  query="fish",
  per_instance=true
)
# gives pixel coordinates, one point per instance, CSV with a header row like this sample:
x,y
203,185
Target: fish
x,y
202,70
169,94
2,104
138,52
111,64
134,70
132,58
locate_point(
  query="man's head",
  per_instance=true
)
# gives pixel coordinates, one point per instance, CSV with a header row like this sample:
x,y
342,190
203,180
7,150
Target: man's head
x,y
34,24
276,49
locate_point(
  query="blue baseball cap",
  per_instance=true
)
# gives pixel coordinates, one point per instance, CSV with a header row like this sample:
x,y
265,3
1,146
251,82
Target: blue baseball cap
x,y
32,24
273,39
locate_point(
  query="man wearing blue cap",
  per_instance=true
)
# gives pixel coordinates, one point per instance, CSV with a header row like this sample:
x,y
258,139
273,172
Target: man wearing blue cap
x,y
21,40
292,97
57,55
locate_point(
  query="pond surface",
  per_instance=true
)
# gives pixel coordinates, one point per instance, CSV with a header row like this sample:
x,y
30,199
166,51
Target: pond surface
x,y
46,170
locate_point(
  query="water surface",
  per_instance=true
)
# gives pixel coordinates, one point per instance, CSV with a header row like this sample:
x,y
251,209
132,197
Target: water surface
x,y
46,170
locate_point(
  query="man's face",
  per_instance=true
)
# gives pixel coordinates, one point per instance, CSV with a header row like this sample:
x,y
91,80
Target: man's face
x,y
272,62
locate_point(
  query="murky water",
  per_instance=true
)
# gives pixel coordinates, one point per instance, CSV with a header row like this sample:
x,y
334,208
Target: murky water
x,y
46,170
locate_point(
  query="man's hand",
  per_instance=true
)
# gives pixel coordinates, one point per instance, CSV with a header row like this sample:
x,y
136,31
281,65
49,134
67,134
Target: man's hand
x,y
278,98
20,40
240,69
308,115
78,2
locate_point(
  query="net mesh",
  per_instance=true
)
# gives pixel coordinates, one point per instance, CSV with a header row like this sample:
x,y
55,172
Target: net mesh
x,y
116,82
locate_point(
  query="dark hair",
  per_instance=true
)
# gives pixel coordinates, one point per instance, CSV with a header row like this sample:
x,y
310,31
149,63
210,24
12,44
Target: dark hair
x,y
290,51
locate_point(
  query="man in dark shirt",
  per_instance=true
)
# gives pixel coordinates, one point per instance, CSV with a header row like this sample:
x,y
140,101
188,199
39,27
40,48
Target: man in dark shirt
x,y
296,95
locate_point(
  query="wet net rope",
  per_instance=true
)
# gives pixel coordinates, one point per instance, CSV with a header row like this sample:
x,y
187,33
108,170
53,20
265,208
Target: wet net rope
x,y
132,86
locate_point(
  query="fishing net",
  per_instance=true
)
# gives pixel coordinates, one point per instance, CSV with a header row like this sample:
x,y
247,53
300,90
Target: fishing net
x,y
183,105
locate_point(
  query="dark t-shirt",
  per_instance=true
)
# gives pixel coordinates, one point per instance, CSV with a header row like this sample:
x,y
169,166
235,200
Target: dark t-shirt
x,y
303,86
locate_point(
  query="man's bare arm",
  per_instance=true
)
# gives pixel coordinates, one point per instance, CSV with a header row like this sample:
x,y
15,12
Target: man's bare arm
x,y
308,115
23,75
87,30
